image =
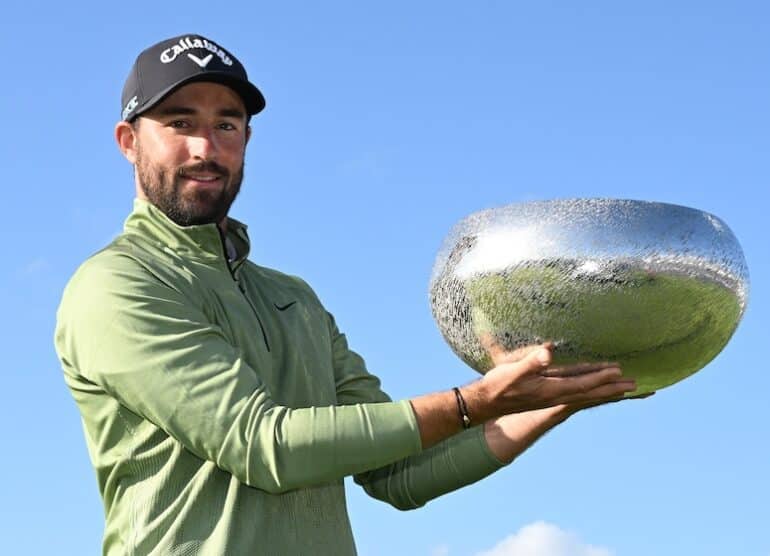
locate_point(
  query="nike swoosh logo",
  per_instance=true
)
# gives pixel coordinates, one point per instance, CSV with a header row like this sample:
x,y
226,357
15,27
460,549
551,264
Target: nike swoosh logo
x,y
284,307
202,63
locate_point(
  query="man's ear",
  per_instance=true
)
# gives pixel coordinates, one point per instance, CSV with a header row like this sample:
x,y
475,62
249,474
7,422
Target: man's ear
x,y
125,135
248,134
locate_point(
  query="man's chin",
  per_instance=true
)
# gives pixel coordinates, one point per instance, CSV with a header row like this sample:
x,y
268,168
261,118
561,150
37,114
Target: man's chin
x,y
195,203
194,217
204,211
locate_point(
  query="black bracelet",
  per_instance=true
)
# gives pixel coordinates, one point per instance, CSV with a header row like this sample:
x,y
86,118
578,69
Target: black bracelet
x,y
464,418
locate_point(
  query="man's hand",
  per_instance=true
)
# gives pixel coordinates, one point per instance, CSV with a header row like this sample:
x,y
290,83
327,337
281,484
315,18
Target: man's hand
x,y
510,435
523,381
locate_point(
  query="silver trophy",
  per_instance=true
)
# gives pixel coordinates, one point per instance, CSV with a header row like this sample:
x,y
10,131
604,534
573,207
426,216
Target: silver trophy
x,y
658,288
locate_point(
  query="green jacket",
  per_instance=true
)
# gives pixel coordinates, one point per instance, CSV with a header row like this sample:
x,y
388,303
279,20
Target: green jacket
x,y
222,407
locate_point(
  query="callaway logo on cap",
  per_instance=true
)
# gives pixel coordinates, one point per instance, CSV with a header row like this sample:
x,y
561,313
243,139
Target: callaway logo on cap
x,y
166,66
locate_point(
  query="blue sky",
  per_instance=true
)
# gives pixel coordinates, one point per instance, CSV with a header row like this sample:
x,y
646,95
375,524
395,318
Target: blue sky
x,y
385,124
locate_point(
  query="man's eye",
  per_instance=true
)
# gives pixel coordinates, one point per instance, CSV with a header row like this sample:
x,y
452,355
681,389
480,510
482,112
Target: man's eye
x,y
179,124
227,126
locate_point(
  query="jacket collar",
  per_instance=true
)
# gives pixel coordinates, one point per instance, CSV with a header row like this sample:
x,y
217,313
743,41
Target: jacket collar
x,y
197,242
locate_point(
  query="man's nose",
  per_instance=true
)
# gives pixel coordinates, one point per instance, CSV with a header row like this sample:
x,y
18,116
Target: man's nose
x,y
202,145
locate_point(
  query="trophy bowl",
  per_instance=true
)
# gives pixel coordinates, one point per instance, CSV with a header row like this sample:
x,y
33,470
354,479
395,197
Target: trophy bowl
x,y
658,288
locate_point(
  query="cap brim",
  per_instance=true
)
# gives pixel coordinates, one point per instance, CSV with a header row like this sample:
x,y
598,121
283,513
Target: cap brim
x,y
252,98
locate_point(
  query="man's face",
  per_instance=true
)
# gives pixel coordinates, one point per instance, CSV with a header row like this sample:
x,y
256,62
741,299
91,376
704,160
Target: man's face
x,y
188,153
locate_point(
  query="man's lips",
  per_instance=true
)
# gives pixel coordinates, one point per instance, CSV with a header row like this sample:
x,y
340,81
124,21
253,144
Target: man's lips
x,y
205,172
204,176
203,179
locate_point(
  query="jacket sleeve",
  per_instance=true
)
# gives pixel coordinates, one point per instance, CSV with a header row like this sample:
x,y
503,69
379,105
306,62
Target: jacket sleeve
x,y
412,481
142,342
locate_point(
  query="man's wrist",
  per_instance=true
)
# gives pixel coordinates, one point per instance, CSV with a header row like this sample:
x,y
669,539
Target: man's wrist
x,y
462,409
477,401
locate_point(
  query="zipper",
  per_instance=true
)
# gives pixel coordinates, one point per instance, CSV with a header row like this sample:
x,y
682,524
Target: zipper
x,y
243,292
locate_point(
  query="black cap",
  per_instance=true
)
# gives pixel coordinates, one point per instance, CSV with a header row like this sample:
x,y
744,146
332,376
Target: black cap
x,y
166,66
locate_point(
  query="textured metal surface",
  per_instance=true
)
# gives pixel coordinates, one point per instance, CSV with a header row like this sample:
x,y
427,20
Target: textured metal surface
x,y
658,288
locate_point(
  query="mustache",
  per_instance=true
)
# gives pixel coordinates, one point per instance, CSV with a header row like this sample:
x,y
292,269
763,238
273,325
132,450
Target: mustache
x,y
208,166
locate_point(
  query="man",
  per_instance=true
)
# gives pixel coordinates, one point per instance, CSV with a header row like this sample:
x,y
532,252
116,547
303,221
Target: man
x,y
221,405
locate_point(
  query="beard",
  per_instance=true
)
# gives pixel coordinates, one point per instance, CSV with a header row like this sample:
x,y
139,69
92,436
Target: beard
x,y
164,188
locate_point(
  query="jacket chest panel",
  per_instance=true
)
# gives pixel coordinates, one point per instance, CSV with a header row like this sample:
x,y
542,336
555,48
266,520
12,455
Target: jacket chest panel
x,y
301,352
285,342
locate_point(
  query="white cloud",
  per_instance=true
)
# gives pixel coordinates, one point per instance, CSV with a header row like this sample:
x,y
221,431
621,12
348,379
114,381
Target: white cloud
x,y
544,539
442,550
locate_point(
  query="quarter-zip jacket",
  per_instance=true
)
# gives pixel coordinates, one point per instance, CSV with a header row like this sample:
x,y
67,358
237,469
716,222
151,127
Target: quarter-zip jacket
x,y
222,408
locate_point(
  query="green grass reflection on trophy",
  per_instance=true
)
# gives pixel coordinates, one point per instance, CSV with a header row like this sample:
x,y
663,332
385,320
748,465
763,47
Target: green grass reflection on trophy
x,y
661,328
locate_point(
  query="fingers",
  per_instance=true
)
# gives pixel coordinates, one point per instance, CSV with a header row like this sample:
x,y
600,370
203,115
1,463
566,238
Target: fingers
x,y
535,358
542,354
624,397
529,383
500,355
579,369
534,362
598,386
572,408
